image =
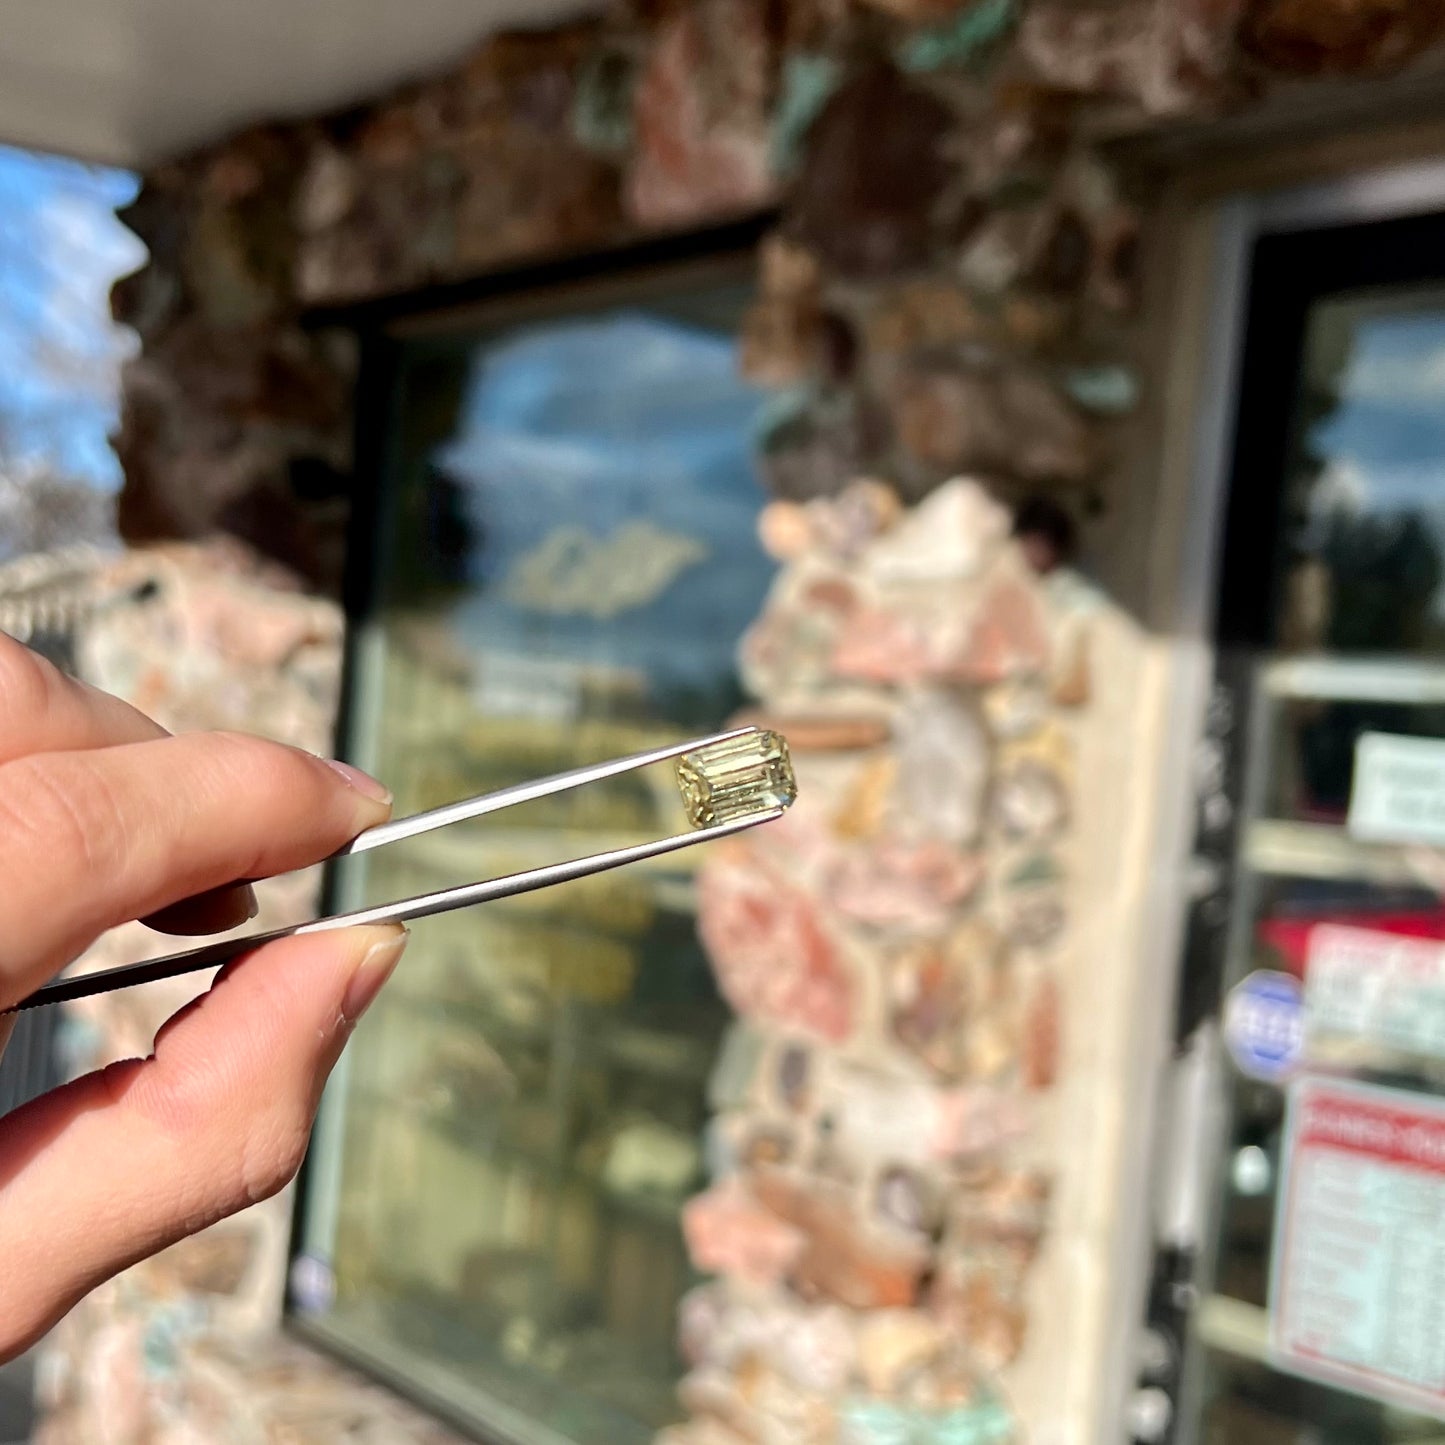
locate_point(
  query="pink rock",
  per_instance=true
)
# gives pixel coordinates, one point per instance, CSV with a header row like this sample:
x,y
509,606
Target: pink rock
x,y
729,1232
1010,636
882,646
802,841
843,1258
903,885
774,958
700,112
1041,1035
785,530
976,1121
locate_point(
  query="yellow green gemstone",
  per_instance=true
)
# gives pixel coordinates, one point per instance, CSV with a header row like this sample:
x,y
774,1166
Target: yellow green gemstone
x,y
735,779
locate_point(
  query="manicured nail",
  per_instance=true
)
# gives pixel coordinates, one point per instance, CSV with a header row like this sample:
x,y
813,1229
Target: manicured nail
x,y
364,783
373,971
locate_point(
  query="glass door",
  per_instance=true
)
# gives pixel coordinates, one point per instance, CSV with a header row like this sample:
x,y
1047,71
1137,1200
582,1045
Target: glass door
x,y
1317,1303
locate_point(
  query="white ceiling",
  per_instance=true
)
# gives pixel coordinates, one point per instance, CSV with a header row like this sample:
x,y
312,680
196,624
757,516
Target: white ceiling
x,y
129,81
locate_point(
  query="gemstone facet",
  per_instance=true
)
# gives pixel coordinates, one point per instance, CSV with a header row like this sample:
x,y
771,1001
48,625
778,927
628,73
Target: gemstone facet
x,y
735,779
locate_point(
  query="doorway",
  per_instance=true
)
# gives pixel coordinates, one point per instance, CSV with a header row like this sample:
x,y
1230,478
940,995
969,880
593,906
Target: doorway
x,y
1311,1307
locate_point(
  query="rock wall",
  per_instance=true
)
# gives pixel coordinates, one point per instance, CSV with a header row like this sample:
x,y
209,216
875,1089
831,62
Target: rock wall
x,y
884,1159
952,286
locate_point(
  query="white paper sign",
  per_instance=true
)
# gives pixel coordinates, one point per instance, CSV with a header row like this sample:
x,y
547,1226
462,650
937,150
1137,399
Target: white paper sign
x,y
1398,795
1379,988
1357,1296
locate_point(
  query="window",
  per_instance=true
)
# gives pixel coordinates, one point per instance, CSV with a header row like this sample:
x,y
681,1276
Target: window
x,y
565,560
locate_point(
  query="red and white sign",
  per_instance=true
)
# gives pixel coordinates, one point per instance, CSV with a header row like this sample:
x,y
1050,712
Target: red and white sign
x,y
1357,1296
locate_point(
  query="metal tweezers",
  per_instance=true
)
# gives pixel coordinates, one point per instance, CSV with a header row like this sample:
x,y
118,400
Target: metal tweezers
x,y
212,954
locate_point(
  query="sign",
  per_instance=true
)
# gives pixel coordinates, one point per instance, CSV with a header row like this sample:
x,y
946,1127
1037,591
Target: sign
x,y
1398,794
1379,988
1264,1024
1357,1294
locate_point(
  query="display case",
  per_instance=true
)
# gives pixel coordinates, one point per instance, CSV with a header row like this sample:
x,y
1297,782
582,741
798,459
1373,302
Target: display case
x,y
565,558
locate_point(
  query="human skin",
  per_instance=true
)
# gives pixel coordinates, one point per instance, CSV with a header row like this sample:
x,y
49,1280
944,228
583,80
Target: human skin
x,y
104,817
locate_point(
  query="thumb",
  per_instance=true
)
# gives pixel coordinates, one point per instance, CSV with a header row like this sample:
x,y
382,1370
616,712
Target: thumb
x,y
117,1165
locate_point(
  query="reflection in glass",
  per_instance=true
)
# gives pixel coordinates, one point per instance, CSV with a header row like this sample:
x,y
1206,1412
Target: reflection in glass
x,y
1366,489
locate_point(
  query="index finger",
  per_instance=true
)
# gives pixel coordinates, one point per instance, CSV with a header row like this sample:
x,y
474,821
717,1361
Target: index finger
x,y
92,839
44,711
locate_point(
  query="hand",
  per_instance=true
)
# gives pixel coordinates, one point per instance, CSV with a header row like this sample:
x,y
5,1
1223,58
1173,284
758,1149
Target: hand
x,y
104,817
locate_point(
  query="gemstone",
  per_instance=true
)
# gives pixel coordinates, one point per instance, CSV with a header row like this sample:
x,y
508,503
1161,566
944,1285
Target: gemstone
x,y
736,779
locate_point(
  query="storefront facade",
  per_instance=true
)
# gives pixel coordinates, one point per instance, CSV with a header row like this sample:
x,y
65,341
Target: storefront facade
x,y
1018,1085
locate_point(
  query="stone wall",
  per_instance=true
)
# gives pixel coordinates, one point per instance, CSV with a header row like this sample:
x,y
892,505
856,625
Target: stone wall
x,y
887,1153
952,286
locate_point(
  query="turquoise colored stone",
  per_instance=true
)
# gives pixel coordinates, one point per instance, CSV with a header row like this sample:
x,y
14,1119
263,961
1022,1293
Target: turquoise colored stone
x,y
808,83
959,40
877,1422
781,416
1040,868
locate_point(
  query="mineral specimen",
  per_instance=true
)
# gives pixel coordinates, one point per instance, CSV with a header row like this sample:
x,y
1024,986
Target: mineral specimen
x,y
734,779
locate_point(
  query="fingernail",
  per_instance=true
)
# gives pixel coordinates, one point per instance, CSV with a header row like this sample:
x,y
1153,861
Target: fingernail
x,y
371,973
364,783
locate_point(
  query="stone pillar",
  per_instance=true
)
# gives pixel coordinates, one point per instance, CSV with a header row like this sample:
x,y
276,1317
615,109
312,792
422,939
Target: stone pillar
x,y
882,1158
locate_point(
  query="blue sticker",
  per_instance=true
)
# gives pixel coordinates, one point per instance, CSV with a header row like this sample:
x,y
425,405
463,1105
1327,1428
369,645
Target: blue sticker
x,y
313,1286
1264,1027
